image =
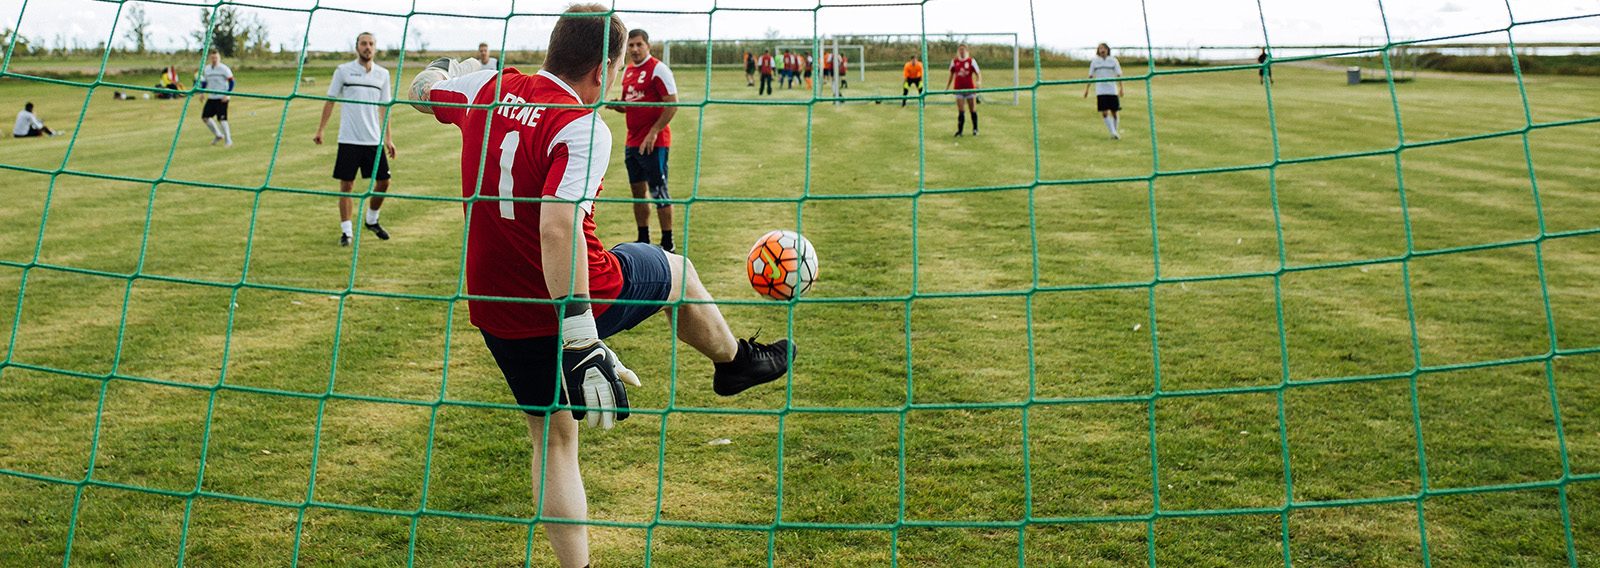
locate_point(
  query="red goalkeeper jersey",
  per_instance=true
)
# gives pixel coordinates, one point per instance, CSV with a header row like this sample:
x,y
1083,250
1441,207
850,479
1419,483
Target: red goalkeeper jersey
x,y
532,151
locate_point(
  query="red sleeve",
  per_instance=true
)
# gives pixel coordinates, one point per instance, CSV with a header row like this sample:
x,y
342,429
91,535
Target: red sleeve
x,y
558,165
460,90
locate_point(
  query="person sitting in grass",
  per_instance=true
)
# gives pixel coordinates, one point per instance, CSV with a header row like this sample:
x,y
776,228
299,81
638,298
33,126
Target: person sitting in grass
x,y
28,124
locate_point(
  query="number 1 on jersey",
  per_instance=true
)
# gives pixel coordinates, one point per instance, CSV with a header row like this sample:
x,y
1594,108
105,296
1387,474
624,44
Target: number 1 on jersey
x,y
508,154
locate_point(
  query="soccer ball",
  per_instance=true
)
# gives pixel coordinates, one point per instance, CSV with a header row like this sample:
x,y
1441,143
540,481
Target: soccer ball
x,y
782,265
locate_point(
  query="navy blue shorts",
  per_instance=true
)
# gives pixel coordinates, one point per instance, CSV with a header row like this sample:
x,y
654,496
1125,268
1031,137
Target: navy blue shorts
x,y
649,168
530,365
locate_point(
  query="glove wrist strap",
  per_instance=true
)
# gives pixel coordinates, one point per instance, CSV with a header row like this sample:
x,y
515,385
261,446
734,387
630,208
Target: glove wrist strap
x,y
578,325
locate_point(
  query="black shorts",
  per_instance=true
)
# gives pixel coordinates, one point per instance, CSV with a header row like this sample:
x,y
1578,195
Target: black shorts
x,y
808,73
917,81
215,107
356,157
649,168
749,68
530,365
31,133
1109,102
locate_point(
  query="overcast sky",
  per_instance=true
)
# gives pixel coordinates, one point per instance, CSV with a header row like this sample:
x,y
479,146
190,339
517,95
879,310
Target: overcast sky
x,y
1055,23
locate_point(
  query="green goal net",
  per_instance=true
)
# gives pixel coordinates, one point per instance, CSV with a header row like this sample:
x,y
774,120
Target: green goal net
x,y
1281,321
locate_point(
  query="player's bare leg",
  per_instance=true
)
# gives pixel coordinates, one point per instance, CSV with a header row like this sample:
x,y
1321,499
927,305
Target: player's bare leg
x,y
740,363
564,497
641,210
347,207
376,203
699,324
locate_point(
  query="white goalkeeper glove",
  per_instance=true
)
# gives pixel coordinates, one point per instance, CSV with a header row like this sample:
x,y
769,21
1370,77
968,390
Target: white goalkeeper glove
x,y
592,375
440,69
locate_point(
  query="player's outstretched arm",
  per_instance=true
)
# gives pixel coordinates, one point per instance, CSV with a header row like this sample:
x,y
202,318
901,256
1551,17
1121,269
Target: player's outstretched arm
x,y
436,73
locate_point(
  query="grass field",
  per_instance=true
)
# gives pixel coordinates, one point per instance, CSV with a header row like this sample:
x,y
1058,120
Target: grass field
x,y
1348,375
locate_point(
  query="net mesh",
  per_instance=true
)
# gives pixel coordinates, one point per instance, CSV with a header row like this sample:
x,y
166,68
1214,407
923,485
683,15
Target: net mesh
x,y
31,269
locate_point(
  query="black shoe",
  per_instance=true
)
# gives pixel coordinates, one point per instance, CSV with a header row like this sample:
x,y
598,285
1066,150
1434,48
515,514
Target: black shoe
x,y
344,240
974,132
669,247
378,230
958,134
755,364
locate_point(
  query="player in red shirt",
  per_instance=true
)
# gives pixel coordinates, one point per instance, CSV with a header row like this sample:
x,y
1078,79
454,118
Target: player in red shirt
x,y
526,250
765,65
844,71
648,80
965,76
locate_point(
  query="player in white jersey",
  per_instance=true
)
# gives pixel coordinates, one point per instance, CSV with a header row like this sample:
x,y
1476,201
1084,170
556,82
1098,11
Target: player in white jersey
x,y
484,59
363,85
217,77
1109,99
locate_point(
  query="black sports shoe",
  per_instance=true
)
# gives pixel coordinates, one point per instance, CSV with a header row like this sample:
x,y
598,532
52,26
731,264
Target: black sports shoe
x,y
755,364
378,230
344,240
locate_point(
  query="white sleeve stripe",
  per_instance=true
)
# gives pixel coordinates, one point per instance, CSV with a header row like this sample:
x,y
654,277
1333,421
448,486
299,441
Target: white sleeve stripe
x,y
467,85
588,142
665,75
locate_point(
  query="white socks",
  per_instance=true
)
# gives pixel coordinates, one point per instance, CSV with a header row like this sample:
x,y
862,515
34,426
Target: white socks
x,y
372,216
1111,125
227,133
211,124
346,228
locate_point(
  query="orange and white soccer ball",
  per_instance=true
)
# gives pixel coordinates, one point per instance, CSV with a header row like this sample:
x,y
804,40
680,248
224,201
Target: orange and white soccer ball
x,y
782,265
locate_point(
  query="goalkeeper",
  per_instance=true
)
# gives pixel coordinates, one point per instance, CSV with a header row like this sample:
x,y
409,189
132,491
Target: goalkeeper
x,y
913,77
547,249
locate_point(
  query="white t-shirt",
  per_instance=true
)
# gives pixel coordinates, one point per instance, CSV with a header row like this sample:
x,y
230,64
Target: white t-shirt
x,y
1105,68
216,77
360,122
25,122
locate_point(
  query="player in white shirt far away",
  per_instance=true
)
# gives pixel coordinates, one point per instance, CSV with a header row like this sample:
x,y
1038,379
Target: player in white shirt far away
x,y
29,124
217,77
363,85
484,59
1109,93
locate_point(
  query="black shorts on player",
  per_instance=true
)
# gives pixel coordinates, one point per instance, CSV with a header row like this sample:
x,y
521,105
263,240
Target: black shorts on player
x,y
1109,102
217,108
530,365
651,169
355,158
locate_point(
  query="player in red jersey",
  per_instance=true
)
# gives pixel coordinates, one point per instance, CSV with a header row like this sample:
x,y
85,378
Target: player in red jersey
x,y
765,65
541,145
648,80
965,76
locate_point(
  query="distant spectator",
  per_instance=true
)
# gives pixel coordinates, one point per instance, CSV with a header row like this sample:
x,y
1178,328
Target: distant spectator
x,y
169,84
29,124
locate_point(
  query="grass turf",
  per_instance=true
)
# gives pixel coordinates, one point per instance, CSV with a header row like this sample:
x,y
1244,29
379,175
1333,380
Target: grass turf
x,y
967,303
